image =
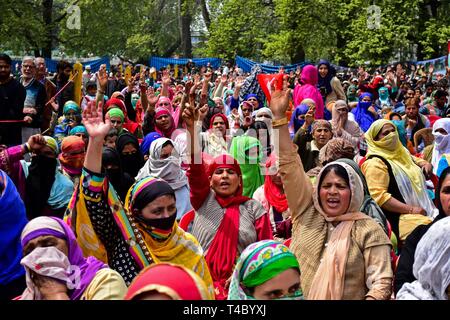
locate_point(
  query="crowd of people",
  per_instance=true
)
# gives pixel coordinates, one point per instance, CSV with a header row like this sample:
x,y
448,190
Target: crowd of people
x,y
195,183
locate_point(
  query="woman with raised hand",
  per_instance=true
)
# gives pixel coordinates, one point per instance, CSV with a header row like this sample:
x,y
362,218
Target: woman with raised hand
x,y
344,254
225,221
139,233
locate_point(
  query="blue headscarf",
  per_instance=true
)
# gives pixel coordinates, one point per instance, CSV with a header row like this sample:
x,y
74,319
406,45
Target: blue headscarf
x,y
362,116
12,220
78,129
401,132
302,109
326,82
252,95
148,139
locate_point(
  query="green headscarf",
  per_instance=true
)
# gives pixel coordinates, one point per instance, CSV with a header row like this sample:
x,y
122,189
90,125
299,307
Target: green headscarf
x,y
116,112
52,144
71,105
78,129
250,166
352,97
258,263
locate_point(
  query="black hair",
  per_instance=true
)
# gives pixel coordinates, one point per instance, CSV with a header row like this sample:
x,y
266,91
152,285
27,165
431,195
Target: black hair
x,y
6,58
91,84
167,143
63,64
437,200
440,93
392,114
338,170
112,132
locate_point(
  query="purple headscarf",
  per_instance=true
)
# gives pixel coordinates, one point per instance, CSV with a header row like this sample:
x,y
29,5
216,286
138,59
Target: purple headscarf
x,y
296,122
45,226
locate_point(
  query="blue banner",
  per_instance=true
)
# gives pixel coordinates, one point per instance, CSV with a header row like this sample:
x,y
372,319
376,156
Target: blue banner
x,y
246,66
51,64
439,65
159,62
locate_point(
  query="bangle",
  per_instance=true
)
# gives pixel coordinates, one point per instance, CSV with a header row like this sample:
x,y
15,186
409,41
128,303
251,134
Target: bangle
x,y
280,122
26,147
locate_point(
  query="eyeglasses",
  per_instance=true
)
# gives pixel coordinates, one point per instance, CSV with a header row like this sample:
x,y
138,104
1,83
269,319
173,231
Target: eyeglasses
x,y
27,66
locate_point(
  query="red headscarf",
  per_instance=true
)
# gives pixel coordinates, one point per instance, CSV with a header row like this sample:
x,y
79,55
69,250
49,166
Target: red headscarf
x,y
173,280
167,133
72,154
114,102
224,118
222,252
274,195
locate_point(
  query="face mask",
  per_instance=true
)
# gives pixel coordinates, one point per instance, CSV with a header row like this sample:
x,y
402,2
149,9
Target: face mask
x,y
159,229
113,174
390,142
365,104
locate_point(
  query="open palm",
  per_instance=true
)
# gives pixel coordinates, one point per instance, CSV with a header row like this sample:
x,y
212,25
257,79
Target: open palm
x,y
93,120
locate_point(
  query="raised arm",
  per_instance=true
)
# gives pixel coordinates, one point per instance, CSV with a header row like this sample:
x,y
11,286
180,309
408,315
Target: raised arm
x,y
198,180
97,129
297,185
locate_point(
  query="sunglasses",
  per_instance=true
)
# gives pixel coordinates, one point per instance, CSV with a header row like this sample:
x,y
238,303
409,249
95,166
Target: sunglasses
x,y
116,121
164,104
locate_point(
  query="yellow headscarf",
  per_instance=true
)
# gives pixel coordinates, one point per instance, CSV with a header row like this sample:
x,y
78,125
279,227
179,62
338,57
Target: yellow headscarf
x,y
391,149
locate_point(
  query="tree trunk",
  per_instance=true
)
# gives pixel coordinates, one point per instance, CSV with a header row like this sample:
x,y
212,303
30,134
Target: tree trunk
x,y
185,19
205,14
299,55
47,6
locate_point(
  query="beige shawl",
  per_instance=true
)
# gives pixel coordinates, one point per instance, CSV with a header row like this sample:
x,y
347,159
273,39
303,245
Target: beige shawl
x,y
328,283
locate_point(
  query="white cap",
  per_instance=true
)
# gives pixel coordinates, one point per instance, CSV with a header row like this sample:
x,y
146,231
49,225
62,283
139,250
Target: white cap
x,y
88,67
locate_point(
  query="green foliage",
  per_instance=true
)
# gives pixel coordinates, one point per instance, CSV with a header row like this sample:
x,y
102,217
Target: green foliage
x,y
240,29
285,31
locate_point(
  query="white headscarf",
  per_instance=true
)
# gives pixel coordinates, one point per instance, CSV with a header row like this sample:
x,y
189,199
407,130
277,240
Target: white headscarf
x,y
441,142
431,265
44,261
168,169
267,121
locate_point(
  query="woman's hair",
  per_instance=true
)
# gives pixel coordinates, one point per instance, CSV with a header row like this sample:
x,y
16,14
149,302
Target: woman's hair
x,y
112,132
393,114
167,143
338,170
442,177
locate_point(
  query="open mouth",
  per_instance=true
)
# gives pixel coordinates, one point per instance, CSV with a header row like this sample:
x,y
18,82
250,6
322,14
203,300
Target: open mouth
x,y
333,203
224,184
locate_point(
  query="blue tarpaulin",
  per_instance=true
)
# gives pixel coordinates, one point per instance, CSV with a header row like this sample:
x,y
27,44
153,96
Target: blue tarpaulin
x,y
159,62
51,64
246,66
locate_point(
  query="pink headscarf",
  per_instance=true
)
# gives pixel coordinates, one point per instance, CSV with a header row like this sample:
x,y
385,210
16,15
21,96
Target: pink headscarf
x,y
174,113
168,132
308,89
